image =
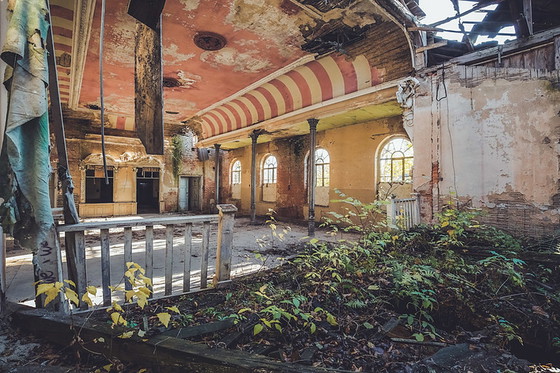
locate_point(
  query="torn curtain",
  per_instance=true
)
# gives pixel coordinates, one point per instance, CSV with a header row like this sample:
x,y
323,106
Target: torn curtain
x,y
25,158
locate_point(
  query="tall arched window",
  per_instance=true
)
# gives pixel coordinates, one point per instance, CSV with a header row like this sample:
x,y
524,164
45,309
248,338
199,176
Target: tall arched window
x,y
395,161
322,164
270,167
236,172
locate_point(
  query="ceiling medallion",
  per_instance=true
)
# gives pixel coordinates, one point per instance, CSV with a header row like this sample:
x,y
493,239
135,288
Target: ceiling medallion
x,y
209,41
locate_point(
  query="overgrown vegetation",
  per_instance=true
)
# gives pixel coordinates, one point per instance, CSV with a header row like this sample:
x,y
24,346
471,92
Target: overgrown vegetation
x,y
176,156
352,302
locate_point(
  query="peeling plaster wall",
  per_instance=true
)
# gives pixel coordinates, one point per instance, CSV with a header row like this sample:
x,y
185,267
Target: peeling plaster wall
x,y
352,150
491,137
130,154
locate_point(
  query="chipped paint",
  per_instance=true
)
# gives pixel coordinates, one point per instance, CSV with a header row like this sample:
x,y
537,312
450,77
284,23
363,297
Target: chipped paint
x,y
190,5
248,62
173,56
495,140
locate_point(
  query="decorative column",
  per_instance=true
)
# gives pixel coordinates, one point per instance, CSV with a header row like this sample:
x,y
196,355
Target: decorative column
x,y
217,170
254,136
311,175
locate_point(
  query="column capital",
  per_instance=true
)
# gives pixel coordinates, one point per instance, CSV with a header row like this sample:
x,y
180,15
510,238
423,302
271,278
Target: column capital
x,y
217,146
254,136
313,123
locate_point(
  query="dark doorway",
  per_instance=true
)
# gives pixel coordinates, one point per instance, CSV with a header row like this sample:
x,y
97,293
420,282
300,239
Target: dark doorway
x,y
189,193
147,190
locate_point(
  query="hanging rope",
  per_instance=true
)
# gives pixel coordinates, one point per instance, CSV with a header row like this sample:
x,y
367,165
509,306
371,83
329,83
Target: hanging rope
x,y
105,175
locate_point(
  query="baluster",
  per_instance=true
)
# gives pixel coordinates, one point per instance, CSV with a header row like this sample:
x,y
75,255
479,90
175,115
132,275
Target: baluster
x,y
127,254
204,255
168,259
79,264
187,259
105,267
150,255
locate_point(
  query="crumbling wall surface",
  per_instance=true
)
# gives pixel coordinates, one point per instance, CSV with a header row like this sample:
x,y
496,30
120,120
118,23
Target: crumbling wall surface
x,y
491,138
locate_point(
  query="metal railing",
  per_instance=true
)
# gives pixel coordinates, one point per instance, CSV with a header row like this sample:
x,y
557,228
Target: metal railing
x,y
403,213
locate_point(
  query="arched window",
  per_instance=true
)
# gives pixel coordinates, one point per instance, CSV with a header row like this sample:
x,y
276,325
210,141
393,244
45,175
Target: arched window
x,y
322,164
395,161
236,172
270,167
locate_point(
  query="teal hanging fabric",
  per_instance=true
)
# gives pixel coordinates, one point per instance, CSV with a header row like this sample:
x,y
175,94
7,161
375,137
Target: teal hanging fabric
x,y
25,158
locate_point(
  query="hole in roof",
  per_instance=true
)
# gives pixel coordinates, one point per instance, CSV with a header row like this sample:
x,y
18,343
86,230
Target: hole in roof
x,y
209,41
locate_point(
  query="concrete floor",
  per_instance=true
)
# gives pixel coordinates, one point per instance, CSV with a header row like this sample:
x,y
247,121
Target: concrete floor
x,y
249,240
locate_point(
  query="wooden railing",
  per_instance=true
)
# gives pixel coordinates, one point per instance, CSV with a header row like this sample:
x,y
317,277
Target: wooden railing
x,y
403,213
76,260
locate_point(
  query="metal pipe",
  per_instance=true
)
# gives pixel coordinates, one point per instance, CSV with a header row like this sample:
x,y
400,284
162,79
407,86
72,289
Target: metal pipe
x,y
217,172
254,136
311,175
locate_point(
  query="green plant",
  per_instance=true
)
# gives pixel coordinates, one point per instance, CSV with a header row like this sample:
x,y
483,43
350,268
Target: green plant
x,y
507,332
176,156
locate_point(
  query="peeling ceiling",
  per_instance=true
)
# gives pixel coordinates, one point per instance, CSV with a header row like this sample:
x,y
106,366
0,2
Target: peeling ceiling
x,y
272,52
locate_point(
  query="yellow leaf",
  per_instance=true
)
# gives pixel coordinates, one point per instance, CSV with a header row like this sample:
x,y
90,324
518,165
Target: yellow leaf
x,y
117,307
87,300
164,318
126,335
142,299
130,264
51,294
118,319
174,309
72,296
143,370
145,290
444,224
70,282
43,288
146,280
116,288
58,285
108,367
128,295
92,290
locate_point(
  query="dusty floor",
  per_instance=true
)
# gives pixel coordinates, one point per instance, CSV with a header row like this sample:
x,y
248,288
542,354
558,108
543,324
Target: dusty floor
x,y
255,248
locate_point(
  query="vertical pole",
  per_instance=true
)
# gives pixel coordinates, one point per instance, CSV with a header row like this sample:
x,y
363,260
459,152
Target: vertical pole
x,y
217,173
311,175
254,136
225,242
2,271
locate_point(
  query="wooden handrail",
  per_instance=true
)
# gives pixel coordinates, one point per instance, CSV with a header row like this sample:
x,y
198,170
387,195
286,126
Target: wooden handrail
x,y
171,220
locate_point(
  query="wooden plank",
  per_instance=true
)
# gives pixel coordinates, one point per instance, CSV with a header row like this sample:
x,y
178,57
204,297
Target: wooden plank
x,y
127,254
147,12
159,351
225,241
187,255
431,46
557,53
168,259
148,85
490,53
175,220
204,255
193,331
150,254
105,267
80,277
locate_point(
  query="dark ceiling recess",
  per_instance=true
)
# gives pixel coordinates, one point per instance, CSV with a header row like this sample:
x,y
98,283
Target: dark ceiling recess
x,y
93,106
170,82
209,41
146,11
326,5
336,39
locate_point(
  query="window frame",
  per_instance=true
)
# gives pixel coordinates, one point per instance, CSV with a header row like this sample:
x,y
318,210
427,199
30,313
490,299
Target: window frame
x,y
235,178
388,162
270,173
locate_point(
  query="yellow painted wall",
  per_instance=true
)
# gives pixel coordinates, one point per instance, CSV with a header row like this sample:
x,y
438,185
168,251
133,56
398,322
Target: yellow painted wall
x,y
352,150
